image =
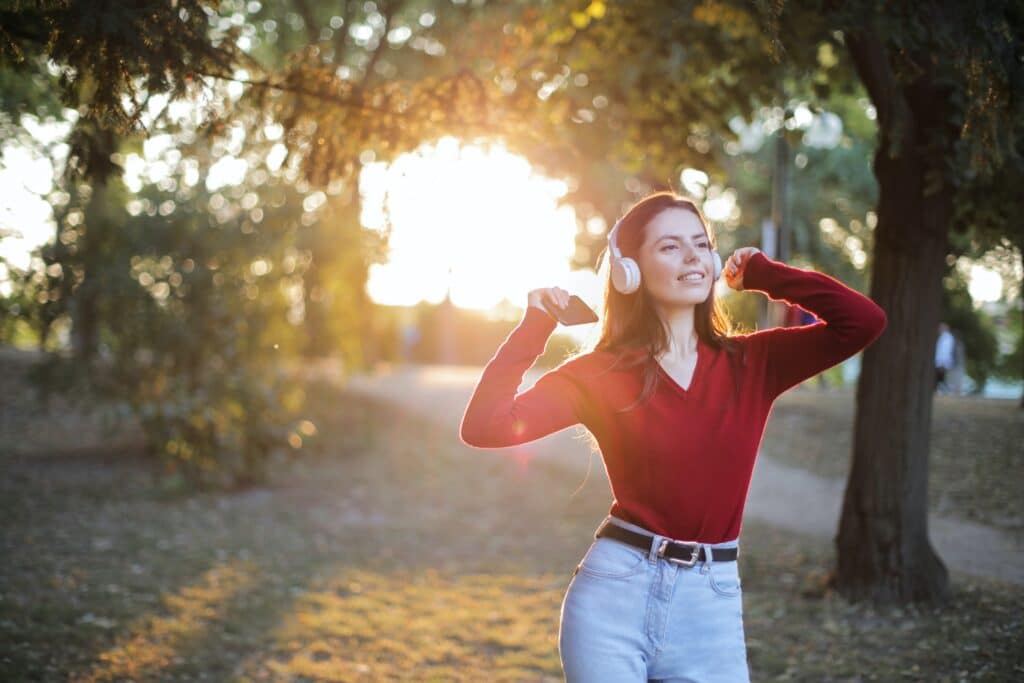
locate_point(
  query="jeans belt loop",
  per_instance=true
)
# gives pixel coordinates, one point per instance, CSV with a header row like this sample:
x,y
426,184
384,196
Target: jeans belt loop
x,y
708,559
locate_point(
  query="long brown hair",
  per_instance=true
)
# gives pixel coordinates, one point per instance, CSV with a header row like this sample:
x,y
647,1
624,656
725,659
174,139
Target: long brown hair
x,y
630,325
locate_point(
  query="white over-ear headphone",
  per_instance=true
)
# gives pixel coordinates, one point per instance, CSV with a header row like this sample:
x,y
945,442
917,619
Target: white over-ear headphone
x,y
625,271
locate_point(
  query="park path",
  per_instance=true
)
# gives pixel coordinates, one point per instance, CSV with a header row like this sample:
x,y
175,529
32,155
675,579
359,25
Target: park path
x,y
781,495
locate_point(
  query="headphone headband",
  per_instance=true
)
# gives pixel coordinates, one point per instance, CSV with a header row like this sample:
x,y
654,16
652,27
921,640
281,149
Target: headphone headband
x,y
612,244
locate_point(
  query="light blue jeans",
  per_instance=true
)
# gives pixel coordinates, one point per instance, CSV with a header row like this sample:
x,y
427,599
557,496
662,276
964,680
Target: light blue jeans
x,y
629,615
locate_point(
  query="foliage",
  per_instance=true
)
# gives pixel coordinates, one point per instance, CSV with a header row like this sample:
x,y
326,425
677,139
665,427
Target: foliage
x,y
111,56
23,311
830,190
1011,365
652,99
192,297
201,317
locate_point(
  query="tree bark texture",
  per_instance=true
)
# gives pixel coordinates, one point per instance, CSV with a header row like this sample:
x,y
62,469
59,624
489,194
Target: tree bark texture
x,y
884,553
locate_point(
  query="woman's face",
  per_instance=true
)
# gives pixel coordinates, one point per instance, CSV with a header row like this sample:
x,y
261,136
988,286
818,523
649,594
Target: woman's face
x,y
674,246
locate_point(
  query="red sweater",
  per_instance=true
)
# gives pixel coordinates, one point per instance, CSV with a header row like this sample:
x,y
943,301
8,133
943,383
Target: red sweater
x,y
679,464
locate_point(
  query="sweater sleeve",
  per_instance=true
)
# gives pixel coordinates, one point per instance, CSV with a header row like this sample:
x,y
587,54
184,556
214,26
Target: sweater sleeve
x,y
849,322
496,416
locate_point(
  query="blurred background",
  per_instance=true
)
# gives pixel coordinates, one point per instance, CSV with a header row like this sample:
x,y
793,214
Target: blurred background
x,y
242,237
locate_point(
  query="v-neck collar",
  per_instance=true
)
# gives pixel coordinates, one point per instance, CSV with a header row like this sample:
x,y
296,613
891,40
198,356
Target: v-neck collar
x,y
701,352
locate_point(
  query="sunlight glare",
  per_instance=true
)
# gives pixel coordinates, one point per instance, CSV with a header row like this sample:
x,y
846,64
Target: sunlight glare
x,y
985,284
694,181
26,218
474,221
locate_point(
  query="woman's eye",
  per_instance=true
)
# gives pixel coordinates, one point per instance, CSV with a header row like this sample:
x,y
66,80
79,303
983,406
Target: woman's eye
x,y
703,245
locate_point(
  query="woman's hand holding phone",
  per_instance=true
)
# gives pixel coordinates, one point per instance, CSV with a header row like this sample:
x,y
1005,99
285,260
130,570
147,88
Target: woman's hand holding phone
x,y
566,308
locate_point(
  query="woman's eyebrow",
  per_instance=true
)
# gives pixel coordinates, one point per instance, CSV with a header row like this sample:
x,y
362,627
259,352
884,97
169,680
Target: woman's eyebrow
x,y
698,236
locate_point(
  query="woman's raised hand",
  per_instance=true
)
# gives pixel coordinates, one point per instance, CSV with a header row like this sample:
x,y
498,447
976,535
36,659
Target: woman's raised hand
x,y
554,296
736,264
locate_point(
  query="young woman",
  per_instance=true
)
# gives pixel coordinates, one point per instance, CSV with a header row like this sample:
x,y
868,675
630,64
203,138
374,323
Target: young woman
x,y
678,406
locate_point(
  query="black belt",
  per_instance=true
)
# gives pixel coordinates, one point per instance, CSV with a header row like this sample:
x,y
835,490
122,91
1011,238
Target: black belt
x,y
686,554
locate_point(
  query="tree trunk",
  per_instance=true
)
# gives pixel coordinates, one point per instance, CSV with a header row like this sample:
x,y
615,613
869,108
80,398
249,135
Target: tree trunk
x,y
884,553
85,316
92,147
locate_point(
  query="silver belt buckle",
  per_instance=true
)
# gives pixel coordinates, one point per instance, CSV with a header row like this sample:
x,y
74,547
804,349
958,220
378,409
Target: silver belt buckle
x,y
686,563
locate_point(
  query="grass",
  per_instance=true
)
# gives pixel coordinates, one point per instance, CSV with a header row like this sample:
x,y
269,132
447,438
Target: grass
x,y
975,465
395,553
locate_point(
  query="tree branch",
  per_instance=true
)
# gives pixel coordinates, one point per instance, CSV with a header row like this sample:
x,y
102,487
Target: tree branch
x,y
282,87
318,95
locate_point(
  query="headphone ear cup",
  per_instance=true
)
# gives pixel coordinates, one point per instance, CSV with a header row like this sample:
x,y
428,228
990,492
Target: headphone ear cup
x,y
718,264
634,274
625,275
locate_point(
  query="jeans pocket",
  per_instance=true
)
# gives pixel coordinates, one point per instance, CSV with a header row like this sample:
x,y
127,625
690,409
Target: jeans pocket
x,y
610,559
725,579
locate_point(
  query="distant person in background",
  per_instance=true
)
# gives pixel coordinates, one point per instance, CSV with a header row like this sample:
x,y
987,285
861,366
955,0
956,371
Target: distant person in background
x,y
796,317
808,318
944,360
955,379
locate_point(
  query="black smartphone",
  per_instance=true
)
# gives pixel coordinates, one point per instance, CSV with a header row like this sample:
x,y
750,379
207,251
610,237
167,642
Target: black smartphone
x,y
576,313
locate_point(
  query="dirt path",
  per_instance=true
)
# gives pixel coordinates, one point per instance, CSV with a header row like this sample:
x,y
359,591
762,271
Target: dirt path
x,y
780,494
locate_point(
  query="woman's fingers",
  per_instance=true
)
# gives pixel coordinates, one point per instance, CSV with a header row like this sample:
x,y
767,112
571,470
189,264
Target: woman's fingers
x,y
739,258
735,265
553,296
546,297
559,296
